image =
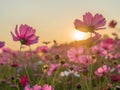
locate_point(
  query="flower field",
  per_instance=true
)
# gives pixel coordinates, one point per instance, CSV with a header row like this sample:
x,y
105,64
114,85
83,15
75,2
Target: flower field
x,y
91,64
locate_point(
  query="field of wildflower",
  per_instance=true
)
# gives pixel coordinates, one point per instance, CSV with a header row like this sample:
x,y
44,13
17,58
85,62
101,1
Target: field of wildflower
x,y
91,64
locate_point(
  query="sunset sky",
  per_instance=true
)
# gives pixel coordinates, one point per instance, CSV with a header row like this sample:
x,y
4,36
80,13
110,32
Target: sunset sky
x,y
52,19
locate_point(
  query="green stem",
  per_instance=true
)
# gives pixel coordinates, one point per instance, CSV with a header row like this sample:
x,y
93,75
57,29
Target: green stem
x,y
99,83
55,76
39,82
18,88
84,81
90,75
24,64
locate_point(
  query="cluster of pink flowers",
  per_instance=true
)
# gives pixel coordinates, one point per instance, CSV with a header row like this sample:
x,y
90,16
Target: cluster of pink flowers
x,y
99,59
79,55
38,87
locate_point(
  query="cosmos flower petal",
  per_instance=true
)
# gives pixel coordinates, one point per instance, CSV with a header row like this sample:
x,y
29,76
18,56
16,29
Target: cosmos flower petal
x,y
2,44
78,23
15,38
16,31
87,18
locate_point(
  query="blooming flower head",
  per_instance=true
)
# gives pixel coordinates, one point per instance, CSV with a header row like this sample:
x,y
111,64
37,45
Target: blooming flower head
x,y
37,87
101,70
115,78
90,22
87,59
112,24
98,50
43,49
53,68
47,87
24,80
26,35
74,54
2,44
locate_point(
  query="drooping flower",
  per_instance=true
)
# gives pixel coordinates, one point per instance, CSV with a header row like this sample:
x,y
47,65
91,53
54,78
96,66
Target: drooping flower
x,y
90,23
26,35
2,44
112,24
24,80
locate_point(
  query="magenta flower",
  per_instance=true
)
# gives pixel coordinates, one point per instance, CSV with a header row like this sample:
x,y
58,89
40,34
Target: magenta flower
x,y
2,44
115,78
24,80
112,24
102,70
74,54
26,35
90,22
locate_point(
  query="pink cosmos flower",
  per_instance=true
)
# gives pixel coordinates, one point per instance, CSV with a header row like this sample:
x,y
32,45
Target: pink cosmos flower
x,y
37,87
74,54
112,24
98,50
24,80
43,49
2,44
26,35
108,41
87,59
53,68
90,22
102,70
47,87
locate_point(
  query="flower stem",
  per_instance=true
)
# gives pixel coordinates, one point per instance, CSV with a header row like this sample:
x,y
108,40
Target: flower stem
x,y
90,79
24,64
55,76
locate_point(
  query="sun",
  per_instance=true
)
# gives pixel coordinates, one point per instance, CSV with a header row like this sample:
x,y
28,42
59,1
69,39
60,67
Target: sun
x,y
78,35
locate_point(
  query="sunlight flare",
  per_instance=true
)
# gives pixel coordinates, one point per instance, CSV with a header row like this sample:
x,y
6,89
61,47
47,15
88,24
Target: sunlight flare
x,y
78,35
